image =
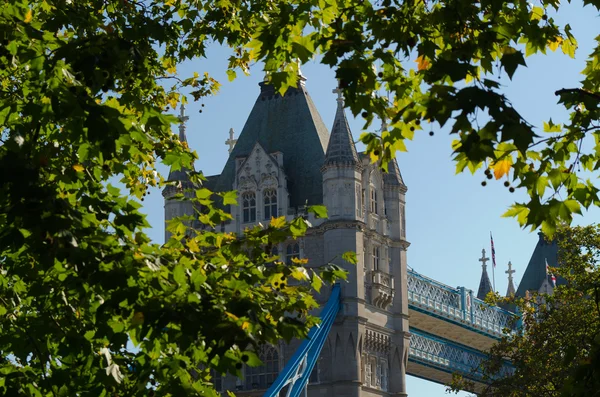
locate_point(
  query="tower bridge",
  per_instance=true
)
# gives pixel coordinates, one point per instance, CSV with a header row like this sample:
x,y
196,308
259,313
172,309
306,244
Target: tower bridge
x,y
387,320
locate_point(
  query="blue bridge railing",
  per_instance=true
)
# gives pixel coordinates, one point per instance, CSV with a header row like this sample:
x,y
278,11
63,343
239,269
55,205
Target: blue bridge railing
x,y
457,304
441,354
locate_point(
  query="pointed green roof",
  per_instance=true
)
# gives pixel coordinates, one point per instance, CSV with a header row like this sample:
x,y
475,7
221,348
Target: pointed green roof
x,y
291,125
536,269
393,176
485,285
341,149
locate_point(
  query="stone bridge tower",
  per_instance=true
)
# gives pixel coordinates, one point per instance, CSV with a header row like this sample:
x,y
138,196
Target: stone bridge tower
x,y
285,159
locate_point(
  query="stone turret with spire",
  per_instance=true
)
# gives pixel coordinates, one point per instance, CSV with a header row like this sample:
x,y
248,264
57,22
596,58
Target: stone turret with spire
x,y
341,150
341,168
180,183
485,286
511,286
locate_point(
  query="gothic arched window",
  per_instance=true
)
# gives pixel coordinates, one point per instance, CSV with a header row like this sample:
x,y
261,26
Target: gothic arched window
x,y
249,207
270,202
263,376
292,251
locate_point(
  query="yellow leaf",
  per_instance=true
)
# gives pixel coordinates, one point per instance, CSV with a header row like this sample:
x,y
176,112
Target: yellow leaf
x,y
422,63
537,13
502,167
299,261
28,16
172,70
400,146
232,316
78,167
569,47
299,273
245,325
192,245
278,223
553,44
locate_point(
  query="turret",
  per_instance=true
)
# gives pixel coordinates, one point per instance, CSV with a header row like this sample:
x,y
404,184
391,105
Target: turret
x,y
342,189
395,198
535,278
180,184
511,286
485,286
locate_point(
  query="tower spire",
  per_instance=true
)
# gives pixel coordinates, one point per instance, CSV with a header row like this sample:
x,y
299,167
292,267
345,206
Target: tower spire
x,y
180,174
511,286
341,149
485,285
231,141
183,119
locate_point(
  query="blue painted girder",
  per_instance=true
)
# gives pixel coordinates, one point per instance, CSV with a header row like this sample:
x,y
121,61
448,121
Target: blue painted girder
x,y
298,369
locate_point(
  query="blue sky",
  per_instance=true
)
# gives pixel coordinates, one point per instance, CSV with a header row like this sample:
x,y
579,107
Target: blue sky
x,y
449,217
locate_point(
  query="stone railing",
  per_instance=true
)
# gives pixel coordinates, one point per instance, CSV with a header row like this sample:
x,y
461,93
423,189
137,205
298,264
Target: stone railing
x,y
457,305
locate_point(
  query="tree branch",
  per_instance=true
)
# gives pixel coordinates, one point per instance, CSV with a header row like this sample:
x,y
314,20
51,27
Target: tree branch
x,y
578,91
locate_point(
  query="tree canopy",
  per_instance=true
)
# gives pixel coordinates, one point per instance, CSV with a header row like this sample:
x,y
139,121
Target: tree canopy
x,y
460,48
86,91
557,349
81,106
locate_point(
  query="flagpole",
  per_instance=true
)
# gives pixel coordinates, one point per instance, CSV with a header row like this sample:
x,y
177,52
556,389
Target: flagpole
x,y
493,263
494,277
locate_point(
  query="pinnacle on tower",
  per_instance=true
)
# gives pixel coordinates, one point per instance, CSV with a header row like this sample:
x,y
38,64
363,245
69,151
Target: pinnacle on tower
x,y
341,149
393,177
511,287
180,174
485,286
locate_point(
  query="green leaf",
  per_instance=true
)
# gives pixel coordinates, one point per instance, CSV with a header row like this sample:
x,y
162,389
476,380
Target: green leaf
x,y
231,75
510,62
569,46
320,211
179,274
229,198
350,257
203,193
298,227
316,282
519,211
541,184
198,278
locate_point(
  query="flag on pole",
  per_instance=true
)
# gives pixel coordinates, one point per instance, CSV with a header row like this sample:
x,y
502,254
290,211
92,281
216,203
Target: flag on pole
x,y
493,251
552,276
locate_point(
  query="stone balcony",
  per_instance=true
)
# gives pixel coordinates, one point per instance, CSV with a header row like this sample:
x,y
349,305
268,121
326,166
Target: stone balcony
x,y
382,289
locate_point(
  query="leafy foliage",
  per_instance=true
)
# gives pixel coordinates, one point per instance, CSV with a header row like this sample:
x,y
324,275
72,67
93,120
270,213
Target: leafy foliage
x,y
84,95
557,351
80,107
